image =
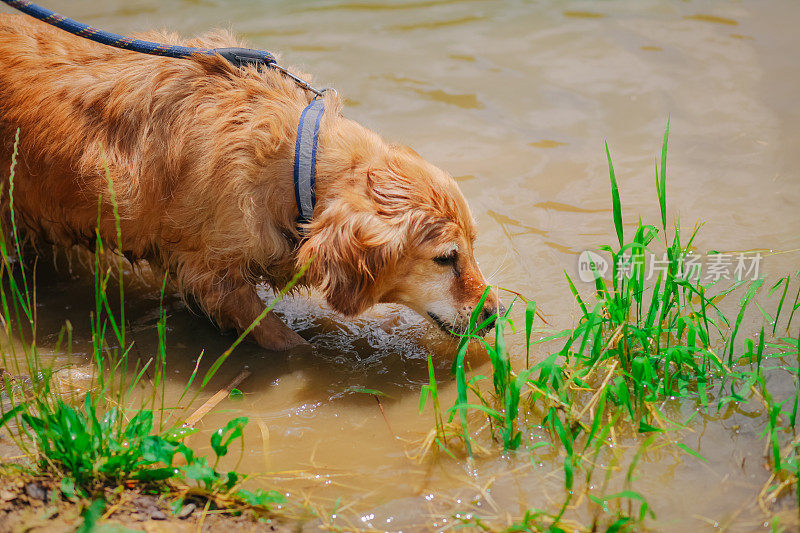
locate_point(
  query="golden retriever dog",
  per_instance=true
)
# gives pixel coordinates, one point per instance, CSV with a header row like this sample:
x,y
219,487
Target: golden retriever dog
x,y
200,153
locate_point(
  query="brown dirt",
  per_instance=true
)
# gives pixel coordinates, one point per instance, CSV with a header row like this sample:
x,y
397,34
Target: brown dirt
x,y
31,504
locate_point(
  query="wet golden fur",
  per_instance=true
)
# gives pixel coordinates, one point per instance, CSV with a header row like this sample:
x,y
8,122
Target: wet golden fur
x,y
200,154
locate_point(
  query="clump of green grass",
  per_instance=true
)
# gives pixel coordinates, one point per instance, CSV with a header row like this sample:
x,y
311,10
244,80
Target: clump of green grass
x,y
91,454
649,348
781,424
637,343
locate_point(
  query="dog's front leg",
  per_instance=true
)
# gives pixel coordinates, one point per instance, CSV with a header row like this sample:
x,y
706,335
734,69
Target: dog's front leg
x,y
238,309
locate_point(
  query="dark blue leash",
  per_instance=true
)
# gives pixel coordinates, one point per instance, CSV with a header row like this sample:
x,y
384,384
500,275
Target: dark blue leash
x,y
305,156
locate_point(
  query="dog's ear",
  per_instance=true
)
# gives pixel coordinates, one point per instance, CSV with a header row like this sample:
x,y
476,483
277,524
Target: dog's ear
x,y
393,192
352,251
403,194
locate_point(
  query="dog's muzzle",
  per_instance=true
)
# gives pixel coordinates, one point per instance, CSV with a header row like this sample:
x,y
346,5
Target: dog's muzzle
x,y
487,315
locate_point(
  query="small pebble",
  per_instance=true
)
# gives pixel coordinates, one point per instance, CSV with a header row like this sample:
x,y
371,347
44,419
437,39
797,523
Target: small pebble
x,y
35,492
187,510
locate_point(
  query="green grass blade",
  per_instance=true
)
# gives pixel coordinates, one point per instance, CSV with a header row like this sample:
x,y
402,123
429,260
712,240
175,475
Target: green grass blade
x,y
615,202
530,312
691,451
662,186
785,281
221,359
576,295
742,307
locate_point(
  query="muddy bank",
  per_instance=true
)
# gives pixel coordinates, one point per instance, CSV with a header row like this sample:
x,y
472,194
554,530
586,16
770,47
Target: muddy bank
x,y
34,504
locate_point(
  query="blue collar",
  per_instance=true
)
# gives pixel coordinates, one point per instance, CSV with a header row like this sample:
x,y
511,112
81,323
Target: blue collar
x,y
305,160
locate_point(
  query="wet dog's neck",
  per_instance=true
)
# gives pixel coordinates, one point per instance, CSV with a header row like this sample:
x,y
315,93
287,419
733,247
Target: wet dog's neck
x,y
347,151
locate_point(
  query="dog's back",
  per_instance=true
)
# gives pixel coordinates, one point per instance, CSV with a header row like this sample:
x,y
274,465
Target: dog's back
x,y
70,99
180,139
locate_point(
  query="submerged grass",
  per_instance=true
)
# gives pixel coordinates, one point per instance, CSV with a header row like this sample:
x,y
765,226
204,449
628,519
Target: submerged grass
x,y
637,345
116,435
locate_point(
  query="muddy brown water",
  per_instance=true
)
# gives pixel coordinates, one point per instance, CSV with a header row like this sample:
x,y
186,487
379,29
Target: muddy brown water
x,y
515,99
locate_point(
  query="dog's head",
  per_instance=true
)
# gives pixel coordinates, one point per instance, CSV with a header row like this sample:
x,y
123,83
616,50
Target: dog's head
x,y
400,231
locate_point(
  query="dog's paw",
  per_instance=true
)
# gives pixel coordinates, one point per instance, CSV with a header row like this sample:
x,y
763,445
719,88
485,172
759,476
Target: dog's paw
x,y
278,339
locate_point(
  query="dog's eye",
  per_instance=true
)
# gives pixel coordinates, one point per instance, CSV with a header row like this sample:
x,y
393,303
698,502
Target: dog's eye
x,y
447,260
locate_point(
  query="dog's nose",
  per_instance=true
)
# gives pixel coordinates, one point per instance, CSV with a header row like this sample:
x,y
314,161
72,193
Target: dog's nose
x,y
491,312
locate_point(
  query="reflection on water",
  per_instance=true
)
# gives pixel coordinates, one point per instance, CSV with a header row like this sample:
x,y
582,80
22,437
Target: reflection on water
x,y
712,18
516,99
